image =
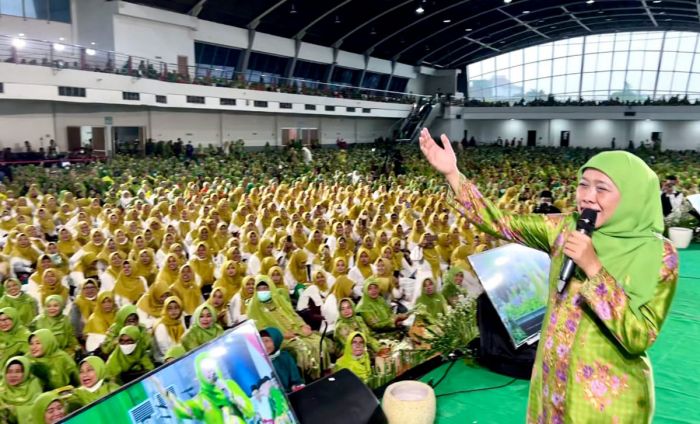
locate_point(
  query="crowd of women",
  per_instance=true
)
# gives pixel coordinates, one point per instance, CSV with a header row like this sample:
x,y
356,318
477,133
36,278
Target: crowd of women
x,y
338,270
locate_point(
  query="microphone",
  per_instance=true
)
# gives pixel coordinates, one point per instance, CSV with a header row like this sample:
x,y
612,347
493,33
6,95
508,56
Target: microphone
x,y
584,225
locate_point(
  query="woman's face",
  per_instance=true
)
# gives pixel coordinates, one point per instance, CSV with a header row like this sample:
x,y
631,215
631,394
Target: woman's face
x,y
132,319
145,258
253,236
383,239
54,412
373,291
358,346
429,287
23,241
364,258
217,298
65,235
342,243
90,290
125,340
318,237
205,318
250,285
13,287
186,274
5,323
340,266
107,305
53,308
140,242
35,347
346,309
459,278
320,279
174,310
14,374
202,251
97,238
116,261
381,269
231,270
127,269
276,277
598,192
88,376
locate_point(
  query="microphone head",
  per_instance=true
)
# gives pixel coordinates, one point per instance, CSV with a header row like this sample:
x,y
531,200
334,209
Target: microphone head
x,y
587,220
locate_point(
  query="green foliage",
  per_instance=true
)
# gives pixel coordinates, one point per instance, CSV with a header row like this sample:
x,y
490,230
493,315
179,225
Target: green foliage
x,y
453,331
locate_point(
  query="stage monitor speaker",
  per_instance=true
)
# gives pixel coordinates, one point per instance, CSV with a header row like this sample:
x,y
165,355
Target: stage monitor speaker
x,y
341,398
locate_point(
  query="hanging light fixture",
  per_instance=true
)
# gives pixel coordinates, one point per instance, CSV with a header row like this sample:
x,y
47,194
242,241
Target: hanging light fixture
x,y
292,9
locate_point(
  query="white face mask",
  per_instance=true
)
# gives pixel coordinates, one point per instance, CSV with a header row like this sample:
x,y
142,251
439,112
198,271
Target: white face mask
x,y
95,387
128,349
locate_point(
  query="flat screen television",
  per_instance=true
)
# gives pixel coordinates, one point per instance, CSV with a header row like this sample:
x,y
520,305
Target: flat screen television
x,y
228,380
515,279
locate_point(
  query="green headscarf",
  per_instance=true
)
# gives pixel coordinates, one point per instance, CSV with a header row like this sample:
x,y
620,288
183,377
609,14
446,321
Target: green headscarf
x,y
345,326
449,288
15,341
432,304
174,352
25,304
362,366
42,403
196,335
59,325
376,312
55,368
102,386
138,360
111,339
26,391
628,244
287,318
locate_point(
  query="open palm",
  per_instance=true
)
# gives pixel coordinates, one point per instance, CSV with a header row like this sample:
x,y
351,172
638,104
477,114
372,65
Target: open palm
x,y
443,160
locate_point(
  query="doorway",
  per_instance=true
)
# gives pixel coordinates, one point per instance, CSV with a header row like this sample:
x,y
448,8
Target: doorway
x,y
531,138
86,140
564,139
128,140
656,137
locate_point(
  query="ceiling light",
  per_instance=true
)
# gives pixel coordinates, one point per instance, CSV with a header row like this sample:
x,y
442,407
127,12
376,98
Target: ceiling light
x,y
18,43
468,29
525,12
590,1
420,10
446,21
507,1
373,31
58,47
61,38
21,34
553,26
662,13
337,19
90,52
657,1
92,43
292,9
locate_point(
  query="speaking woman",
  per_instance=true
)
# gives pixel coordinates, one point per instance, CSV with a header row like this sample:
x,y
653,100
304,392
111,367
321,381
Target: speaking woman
x,y
591,363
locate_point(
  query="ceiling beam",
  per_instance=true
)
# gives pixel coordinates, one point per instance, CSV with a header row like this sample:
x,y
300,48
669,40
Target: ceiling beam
x,y
339,41
651,15
525,24
256,21
302,32
197,8
488,46
577,20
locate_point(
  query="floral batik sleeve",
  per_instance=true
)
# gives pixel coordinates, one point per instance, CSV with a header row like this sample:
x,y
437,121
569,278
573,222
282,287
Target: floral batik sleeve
x,y
533,230
608,300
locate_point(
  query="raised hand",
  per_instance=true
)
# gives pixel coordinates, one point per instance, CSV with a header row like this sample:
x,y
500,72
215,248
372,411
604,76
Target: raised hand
x,y
442,159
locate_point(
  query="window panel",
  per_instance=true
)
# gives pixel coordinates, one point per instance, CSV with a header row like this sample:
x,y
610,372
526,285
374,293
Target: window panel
x,y
680,81
560,67
687,42
622,42
59,10
488,65
636,60
591,46
604,61
633,79
638,41
38,9
602,81
573,81
617,81
589,62
683,62
573,64
516,58
530,54
544,85
502,62
545,51
647,82
474,70
668,61
606,43
561,49
587,83
559,84
671,42
576,46
11,7
654,41
696,63
516,74
530,71
651,60
544,69
694,84
619,61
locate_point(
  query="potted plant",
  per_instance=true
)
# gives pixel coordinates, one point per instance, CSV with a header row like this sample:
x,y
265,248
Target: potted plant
x,y
681,226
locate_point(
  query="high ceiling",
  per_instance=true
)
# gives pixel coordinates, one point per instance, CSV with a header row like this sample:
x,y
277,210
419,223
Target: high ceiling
x,y
448,33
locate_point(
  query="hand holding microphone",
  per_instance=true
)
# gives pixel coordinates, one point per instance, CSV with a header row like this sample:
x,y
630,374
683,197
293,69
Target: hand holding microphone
x,y
579,250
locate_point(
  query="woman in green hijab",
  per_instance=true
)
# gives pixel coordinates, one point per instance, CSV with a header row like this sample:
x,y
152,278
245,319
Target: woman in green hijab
x,y
13,335
53,319
127,315
204,328
375,311
355,357
173,353
430,303
598,327
50,364
25,305
93,381
219,400
18,390
452,290
49,408
269,309
348,323
131,359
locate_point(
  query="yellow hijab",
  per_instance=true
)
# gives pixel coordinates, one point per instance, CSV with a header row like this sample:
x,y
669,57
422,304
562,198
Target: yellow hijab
x,y
100,321
174,326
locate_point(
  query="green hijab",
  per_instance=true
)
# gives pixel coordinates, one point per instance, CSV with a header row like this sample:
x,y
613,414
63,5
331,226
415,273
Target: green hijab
x,y
15,341
629,245
360,366
23,393
54,367
101,388
138,360
345,326
196,335
376,312
431,305
25,304
59,325
42,403
449,287
174,352
276,312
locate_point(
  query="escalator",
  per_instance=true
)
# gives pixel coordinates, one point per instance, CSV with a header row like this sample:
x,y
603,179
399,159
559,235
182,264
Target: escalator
x,y
422,115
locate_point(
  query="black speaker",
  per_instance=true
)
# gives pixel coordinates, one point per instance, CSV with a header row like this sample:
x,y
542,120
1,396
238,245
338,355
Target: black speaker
x,y
630,113
341,398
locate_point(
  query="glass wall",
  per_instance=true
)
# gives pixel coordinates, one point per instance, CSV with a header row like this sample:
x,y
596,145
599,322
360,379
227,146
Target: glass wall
x,y
50,10
215,61
629,66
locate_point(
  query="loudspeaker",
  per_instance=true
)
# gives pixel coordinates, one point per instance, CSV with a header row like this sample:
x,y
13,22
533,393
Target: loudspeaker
x,y
340,398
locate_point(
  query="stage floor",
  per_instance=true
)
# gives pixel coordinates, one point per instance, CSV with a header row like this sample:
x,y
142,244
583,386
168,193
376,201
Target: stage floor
x,y
674,357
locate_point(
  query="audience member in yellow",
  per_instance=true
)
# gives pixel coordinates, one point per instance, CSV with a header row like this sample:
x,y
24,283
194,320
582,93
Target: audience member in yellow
x,y
59,324
100,321
231,279
145,266
129,287
169,329
150,305
297,274
170,270
83,306
238,307
51,365
14,335
217,299
187,290
203,266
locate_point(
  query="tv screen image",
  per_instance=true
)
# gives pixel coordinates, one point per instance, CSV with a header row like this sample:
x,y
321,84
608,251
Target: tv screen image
x,y
516,280
229,380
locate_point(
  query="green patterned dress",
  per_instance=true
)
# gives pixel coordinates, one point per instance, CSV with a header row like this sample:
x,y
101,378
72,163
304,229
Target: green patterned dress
x,y
591,365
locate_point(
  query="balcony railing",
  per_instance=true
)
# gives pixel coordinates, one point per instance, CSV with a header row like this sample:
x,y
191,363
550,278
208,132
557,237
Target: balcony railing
x,y
67,56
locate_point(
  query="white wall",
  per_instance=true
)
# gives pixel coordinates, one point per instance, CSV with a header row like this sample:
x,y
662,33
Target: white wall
x,y
21,121
200,127
94,23
153,40
35,29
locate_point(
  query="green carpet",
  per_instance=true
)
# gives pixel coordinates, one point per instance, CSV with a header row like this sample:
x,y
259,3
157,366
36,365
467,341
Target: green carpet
x,y
675,357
